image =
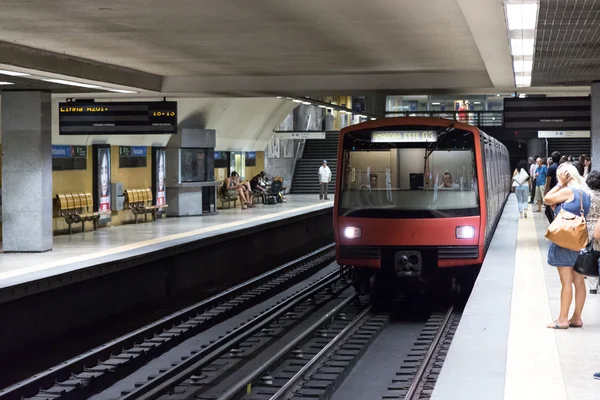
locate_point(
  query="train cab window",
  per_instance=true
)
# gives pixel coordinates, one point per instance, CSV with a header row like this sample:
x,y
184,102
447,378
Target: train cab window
x,y
409,173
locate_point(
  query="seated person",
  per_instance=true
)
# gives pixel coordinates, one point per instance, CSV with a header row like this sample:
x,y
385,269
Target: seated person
x,y
255,183
447,182
232,186
372,182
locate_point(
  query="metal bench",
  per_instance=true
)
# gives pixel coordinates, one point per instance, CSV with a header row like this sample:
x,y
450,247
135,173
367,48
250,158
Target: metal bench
x,y
76,208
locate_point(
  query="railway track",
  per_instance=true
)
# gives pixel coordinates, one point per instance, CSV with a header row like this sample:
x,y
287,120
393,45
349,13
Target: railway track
x,y
97,369
220,363
417,376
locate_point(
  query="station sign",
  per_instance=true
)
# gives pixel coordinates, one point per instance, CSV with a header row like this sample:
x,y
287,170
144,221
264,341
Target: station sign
x,y
133,151
63,151
117,118
299,135
403,136
251,155
563,134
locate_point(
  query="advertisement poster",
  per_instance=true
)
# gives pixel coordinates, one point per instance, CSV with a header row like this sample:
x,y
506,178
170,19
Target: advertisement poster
x,y
160,177
102,181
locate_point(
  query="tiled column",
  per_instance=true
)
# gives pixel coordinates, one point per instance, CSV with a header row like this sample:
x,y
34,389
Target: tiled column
x,y
595,133
26,172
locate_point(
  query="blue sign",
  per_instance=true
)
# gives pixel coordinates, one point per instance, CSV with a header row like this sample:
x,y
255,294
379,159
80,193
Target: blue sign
x,y
251,155
217,155
139,151
59,151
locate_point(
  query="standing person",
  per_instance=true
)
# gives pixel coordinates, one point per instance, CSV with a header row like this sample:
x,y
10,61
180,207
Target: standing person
x,y
532,168
593,182
521,179
540,182
571,195
324,179
587,166
551,182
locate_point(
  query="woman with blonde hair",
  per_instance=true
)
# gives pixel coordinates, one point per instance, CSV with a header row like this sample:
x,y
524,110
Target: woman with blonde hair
x,y
571,195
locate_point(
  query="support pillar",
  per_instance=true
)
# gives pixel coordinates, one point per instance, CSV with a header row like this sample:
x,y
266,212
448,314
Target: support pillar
x,y
26,172
536,147
595,132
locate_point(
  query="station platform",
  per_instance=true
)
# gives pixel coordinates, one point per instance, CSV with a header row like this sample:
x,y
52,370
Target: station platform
x,y
502,348
84,250
92,276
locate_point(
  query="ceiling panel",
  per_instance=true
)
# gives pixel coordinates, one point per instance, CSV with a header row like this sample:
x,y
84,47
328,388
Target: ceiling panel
x,y
567,49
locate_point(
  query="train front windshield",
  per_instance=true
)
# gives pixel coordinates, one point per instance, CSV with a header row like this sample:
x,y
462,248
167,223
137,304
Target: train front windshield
x,y
409,172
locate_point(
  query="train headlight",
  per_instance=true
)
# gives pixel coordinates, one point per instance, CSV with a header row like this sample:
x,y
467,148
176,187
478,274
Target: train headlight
x,y
352,232
465,232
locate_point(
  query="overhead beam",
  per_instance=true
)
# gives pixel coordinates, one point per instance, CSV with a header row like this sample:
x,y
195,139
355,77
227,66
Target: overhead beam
x,y
70,66
297,84
487,23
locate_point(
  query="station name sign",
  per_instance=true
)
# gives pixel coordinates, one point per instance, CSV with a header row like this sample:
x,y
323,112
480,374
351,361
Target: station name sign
x,y
403,136
118,118
563,134
61,151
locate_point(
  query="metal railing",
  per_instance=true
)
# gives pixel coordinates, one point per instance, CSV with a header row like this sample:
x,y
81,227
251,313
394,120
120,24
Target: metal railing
x,y
475,118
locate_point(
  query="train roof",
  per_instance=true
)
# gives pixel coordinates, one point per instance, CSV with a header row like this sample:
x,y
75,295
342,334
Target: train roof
x,y
388,122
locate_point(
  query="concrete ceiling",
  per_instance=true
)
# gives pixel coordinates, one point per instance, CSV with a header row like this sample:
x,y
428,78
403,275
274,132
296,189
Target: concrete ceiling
x,y
264,47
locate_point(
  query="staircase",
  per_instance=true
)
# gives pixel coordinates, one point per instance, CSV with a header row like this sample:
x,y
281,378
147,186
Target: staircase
x,y
306,173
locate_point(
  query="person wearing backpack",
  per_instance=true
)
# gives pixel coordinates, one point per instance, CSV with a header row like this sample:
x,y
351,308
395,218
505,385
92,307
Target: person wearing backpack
x,y
521,185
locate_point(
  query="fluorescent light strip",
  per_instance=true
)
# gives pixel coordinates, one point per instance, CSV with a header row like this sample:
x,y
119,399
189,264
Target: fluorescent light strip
x,y
118,90
297,101
63,82
522,81
306,103
523,66
522,47
6,83
13,73
521,16
435,103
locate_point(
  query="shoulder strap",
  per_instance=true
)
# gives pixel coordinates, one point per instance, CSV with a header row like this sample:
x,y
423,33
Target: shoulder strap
x,y
581,202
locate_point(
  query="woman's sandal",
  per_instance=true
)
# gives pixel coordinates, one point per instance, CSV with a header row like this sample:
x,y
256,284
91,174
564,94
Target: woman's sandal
x,y
572,325
556,326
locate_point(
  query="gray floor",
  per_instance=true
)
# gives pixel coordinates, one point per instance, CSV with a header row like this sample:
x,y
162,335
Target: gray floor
x,y
82,250
502,349
476,363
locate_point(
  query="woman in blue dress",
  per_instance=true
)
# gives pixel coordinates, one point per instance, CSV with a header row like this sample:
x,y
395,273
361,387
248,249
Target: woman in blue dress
x,y
569,194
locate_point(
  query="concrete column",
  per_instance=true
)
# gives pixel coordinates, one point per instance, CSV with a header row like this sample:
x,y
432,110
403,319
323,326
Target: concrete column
x,y
26,172
595,133
536,147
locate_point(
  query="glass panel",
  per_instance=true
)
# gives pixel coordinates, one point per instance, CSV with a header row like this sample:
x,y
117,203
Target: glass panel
x,y
193,165
409,179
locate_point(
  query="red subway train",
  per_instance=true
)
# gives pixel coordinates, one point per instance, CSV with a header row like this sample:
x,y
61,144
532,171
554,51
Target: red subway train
x,y
417,198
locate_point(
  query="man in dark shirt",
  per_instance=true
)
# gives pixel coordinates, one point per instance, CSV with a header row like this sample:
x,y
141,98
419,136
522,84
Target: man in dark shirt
x,y
551,181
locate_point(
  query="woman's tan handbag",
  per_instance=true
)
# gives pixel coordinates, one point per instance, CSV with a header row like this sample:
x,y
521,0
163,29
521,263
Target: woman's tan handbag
x,y
569,230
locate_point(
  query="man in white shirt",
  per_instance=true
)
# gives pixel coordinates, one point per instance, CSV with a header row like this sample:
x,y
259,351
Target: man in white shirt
x,y
324,179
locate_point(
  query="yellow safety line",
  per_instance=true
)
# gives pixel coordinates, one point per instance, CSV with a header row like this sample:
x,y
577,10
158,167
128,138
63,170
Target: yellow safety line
x,y
137,245
533,368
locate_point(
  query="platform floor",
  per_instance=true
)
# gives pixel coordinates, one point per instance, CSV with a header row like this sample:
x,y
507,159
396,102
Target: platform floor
x,y
82,250
502,348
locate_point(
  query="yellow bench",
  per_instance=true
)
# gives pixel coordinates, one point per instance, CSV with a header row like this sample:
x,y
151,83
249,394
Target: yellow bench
x,y
139,201
77,207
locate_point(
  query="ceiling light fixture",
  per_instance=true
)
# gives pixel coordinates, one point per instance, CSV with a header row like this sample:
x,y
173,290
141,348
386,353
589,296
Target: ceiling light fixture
x,y
297,101
523,66
521,15
13,73
523,81
306,103
6,83
70,83
521,20
322,106
118,90
435,103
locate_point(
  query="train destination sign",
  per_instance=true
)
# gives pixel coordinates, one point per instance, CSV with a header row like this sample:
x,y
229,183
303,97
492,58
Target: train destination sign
x,y
118,118
403,136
